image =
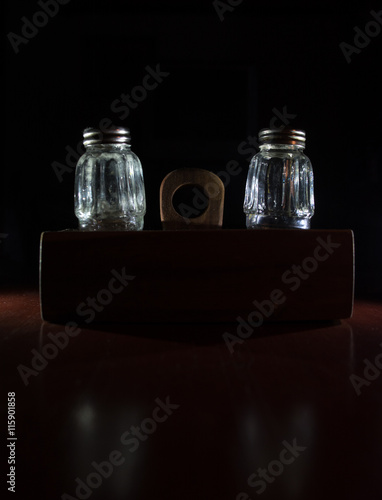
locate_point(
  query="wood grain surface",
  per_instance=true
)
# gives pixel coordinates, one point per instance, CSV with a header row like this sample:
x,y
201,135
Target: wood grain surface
x,y
197,276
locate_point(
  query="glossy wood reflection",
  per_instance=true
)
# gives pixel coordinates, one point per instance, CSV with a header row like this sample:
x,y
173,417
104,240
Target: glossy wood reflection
x,y
167,411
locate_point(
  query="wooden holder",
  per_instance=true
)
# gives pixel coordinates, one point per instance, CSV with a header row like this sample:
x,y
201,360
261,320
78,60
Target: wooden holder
x,y
196,276
211,186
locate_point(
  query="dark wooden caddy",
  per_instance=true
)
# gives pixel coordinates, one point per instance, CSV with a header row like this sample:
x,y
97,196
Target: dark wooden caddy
x,y
196,276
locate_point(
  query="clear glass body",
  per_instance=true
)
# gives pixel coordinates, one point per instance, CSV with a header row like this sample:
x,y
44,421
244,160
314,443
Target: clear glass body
x,y
109,193
279,190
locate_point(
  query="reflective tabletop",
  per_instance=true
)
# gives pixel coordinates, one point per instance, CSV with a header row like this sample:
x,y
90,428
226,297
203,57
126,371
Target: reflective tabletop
x,y
141,411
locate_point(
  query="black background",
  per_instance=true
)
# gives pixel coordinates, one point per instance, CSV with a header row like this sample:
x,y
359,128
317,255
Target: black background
x,y
226,77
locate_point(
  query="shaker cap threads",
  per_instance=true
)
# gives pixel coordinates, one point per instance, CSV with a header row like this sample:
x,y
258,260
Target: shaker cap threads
x,y
116,135
282,136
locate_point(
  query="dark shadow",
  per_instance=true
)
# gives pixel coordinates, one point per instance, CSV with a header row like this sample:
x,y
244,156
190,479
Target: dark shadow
x,y
202,333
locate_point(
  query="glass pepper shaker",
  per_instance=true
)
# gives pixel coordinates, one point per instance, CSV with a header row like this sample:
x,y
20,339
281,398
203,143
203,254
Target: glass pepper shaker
x,y
109,192
279,191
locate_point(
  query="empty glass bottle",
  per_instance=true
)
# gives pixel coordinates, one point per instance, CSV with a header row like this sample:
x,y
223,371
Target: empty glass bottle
x,y
279,190
109,187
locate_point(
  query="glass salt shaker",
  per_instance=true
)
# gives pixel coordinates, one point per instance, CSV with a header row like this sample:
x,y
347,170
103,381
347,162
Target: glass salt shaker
x,y
279,191
109,187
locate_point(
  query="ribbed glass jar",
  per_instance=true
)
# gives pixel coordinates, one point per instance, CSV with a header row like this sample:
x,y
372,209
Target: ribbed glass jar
x,y
279,191
109,190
